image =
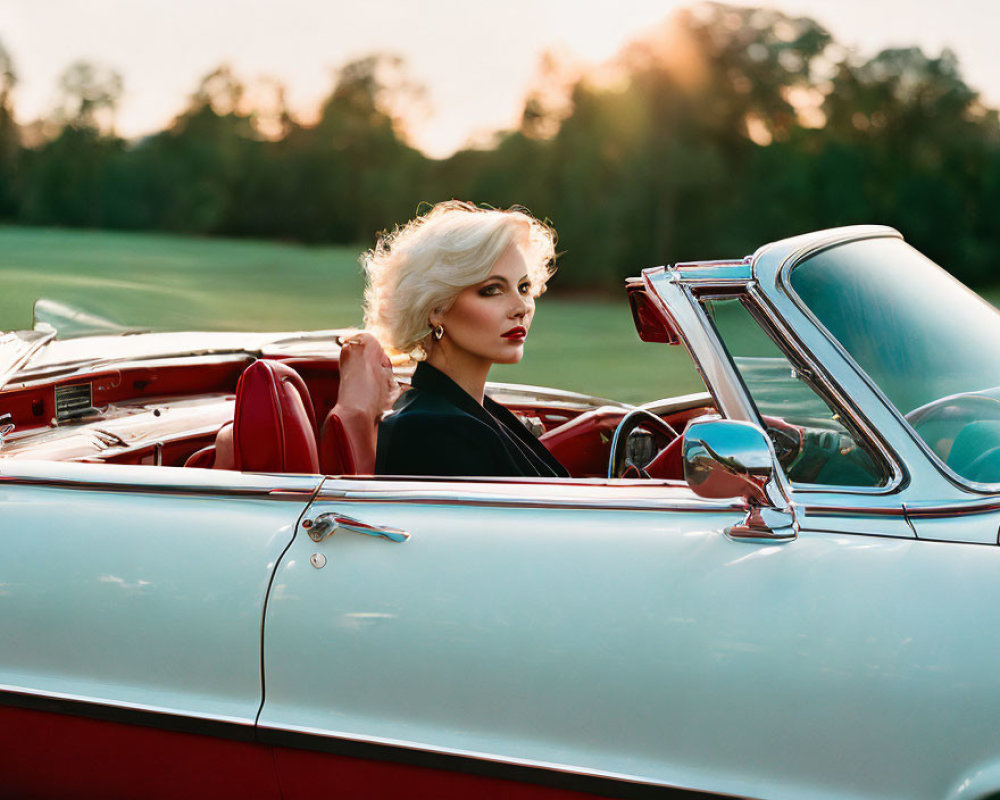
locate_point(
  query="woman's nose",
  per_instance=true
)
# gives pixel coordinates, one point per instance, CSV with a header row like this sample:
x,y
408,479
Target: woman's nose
x,y
524,305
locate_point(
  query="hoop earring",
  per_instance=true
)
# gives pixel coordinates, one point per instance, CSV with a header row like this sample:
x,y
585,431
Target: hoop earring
x,y
438,332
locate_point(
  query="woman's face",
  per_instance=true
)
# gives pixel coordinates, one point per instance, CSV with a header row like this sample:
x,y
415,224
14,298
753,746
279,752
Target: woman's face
x,y
490,320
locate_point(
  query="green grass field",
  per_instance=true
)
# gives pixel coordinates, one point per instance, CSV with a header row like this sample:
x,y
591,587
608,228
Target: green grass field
x,y
185,283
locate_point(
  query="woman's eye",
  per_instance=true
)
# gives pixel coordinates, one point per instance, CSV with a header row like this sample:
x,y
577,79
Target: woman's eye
x,y
524,288
490,291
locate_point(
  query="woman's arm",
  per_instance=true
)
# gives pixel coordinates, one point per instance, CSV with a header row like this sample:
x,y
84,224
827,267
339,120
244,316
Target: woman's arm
x,y
367,390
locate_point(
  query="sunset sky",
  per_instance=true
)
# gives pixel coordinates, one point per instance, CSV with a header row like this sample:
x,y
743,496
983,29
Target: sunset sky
x,y
475,59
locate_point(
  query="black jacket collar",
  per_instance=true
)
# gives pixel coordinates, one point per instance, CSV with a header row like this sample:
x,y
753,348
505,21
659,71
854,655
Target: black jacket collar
x,y
431,379
533,457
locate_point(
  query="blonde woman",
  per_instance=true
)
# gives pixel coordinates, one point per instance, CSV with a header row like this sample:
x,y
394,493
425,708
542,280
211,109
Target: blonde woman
x,y
456,288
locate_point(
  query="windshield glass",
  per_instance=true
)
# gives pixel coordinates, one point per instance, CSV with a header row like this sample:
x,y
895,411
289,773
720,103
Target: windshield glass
x,y
810,440
929,343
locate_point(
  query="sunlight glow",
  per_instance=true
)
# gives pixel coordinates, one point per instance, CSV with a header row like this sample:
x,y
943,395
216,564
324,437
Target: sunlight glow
x,y
478,61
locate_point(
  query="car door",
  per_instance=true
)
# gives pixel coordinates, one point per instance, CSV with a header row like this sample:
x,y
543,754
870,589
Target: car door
x,y
522,632
131,601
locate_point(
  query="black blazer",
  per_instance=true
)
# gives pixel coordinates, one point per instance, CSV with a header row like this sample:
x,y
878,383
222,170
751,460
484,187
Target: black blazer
x,y
437,428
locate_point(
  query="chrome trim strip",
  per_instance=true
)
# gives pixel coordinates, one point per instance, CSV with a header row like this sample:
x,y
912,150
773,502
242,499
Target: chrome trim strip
x,y
851,511
300,488
156,480
230,491
944,510
784,283
612,784
456,498
731,270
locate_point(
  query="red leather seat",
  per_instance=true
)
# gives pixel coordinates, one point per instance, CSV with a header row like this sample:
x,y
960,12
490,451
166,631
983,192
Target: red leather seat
x,y
347,435
347,444
669,462
583,444
202,459
273,428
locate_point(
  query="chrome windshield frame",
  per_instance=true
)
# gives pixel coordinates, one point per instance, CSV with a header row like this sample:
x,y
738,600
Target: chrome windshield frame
x,y
912,481
897,476
783,277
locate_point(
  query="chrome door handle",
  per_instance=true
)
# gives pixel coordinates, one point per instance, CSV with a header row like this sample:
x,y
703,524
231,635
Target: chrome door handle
x,y
325,525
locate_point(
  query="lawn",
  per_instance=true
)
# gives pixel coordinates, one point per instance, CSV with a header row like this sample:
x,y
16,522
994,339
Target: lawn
x,y
186,283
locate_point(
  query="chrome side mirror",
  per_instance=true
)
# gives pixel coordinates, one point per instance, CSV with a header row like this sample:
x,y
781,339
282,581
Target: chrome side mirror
x,y
726,458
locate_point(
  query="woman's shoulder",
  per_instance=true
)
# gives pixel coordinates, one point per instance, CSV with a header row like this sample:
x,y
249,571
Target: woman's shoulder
x,y
425,420
427,435
417,406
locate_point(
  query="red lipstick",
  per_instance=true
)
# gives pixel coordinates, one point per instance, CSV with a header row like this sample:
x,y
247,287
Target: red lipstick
x,y
515,333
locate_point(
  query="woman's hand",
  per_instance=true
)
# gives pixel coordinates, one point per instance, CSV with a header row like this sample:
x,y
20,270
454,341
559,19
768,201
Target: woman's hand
x,y
367,385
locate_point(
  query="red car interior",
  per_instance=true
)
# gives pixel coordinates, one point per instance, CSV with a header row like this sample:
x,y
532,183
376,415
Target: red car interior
x,y
274,427
346,445
575,442
268,415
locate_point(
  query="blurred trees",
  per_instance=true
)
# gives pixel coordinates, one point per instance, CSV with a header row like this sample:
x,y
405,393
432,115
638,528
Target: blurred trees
x,y
70,178
929,151
10,143
657,164
355,159
89,95
729,127
711,134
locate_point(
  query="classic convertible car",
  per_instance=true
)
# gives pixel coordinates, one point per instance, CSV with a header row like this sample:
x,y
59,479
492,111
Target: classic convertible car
x,y
781,588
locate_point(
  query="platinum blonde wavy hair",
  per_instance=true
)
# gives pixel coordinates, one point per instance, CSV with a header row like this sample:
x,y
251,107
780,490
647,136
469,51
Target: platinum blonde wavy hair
x,y
422,266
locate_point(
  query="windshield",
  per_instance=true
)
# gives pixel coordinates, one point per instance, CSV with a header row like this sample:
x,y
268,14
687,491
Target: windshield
x,y
810,439
927,341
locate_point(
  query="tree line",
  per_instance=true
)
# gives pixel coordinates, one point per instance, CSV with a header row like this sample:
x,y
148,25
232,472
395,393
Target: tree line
x,y
718,131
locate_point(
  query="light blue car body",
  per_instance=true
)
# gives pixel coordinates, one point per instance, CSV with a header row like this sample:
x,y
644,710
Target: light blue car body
x,y
606,628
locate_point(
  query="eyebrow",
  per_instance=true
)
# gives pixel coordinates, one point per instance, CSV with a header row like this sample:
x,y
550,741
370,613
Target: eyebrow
x,y
503,280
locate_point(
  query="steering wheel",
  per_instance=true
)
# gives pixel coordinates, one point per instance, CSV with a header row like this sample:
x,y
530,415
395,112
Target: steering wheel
x,y
788,439
618,463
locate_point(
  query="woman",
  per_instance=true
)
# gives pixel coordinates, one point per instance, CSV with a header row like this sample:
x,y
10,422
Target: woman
x,y
456,289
